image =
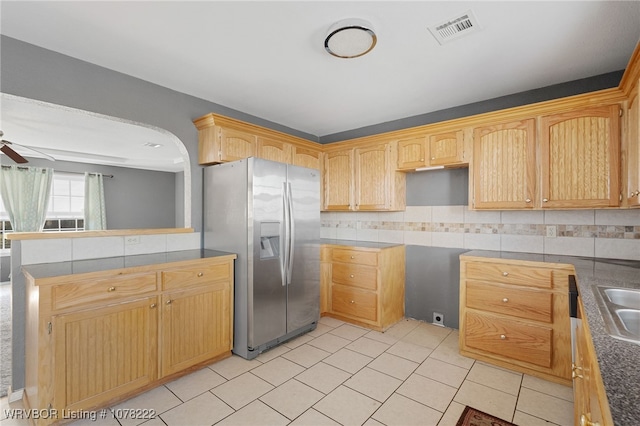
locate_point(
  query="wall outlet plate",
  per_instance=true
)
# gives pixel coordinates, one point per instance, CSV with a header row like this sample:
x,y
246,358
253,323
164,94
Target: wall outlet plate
x,y
132,239
438,319
551,231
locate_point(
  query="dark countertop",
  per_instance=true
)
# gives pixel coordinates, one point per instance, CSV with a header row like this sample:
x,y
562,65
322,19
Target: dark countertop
x,y
353,243
619,360
58,269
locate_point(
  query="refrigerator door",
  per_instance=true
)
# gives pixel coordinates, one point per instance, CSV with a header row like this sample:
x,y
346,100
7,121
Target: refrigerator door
x,y
303,289
267,291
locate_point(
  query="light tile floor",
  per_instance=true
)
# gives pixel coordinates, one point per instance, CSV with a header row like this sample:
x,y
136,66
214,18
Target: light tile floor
x,y
340,374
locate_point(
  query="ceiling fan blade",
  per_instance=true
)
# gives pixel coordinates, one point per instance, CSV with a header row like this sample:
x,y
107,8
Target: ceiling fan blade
x,y
47,156
9,152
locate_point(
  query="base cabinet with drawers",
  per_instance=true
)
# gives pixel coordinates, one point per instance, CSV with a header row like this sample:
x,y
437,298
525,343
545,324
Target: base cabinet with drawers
x,y
96,338
515,314
363,285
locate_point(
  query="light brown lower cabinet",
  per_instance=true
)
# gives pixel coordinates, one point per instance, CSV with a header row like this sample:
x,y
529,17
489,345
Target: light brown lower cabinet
x,y
589,397
363,286
515,314
97,338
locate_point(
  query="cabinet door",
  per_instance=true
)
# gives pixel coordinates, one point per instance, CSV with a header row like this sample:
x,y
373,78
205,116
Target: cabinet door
x,y
103,353
338,180
372,181
581,158
236,145
633,149
446,148
504,166
305,157
195,326
412,153
274,150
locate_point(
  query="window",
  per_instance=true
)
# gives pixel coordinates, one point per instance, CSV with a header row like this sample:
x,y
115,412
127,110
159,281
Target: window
x,y
66,207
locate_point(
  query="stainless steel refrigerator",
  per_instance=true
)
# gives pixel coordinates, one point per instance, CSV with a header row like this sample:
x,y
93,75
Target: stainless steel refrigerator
x,y
269,214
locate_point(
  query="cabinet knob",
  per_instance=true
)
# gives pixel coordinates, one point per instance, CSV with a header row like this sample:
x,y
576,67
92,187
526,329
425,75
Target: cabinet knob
x,y
505,273
637,193
153,305
351,275
503,337
200,274
584,421
353,257
433,158
545,200
422,159
528,200
353,301
169,301
505,300
111,289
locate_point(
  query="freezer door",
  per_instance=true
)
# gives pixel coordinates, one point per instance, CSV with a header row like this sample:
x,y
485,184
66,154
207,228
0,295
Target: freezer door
x,y
267,292
303,290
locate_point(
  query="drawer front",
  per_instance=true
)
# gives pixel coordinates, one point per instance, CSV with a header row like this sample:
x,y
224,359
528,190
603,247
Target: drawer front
x,y
354,302
105,290
510,274
511,339
355,256
517,302
195,275
355,275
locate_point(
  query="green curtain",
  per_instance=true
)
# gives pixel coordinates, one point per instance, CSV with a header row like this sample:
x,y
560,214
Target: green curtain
x,y
95,216
25,194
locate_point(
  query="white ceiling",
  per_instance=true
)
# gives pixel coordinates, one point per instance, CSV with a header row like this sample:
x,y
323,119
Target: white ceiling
x,y
267,58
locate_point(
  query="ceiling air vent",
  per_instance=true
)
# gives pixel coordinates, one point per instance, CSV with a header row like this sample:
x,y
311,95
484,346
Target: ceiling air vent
x,y
455,28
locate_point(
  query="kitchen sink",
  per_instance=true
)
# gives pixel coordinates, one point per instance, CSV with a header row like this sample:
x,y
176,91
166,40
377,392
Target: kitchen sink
x,y
620,310
624,297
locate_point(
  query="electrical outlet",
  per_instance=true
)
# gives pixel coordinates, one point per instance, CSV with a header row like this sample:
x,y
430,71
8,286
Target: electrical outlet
x,y
438,318
551,231
132,239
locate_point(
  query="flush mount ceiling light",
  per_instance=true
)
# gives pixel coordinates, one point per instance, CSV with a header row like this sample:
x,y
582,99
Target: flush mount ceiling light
x,y
350,38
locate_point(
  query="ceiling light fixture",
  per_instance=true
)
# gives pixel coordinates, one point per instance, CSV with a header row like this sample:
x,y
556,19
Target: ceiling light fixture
x,y
152,145
350,38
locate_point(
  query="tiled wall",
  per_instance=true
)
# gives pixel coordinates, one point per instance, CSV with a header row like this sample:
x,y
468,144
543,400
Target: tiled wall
x,y
611,234
67,249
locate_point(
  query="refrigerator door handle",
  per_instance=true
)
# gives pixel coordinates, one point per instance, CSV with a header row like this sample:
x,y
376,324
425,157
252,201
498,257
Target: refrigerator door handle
x,y
292,235
284,256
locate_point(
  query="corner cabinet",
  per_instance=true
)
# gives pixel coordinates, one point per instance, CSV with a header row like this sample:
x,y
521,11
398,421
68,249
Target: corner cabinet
x,y
504,166
590,399
580,158
363,179
363,286
515,314
96,338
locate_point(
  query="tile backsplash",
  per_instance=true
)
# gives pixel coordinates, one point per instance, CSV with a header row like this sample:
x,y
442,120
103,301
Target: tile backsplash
x,y
600,233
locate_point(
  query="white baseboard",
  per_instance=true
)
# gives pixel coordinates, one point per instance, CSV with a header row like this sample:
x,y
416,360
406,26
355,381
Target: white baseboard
x,y
15,396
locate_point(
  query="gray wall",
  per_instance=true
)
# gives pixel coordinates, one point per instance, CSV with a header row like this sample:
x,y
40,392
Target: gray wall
x,y
134,198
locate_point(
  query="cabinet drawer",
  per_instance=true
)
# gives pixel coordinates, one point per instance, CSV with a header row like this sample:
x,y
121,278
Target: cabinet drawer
x,y
510,274
517,302
355,275
354,256
195,275
105,290
354,302
509,338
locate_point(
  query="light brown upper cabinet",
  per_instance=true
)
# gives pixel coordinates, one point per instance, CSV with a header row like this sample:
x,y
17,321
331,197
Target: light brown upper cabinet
x,y
218,145
412,153
306,157
363,178
438,149
580,158
446,148
504,166
271,149
633,150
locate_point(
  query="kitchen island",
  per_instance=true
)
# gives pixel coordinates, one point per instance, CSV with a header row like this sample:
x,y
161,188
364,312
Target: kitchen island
x,y
102,330
618,360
